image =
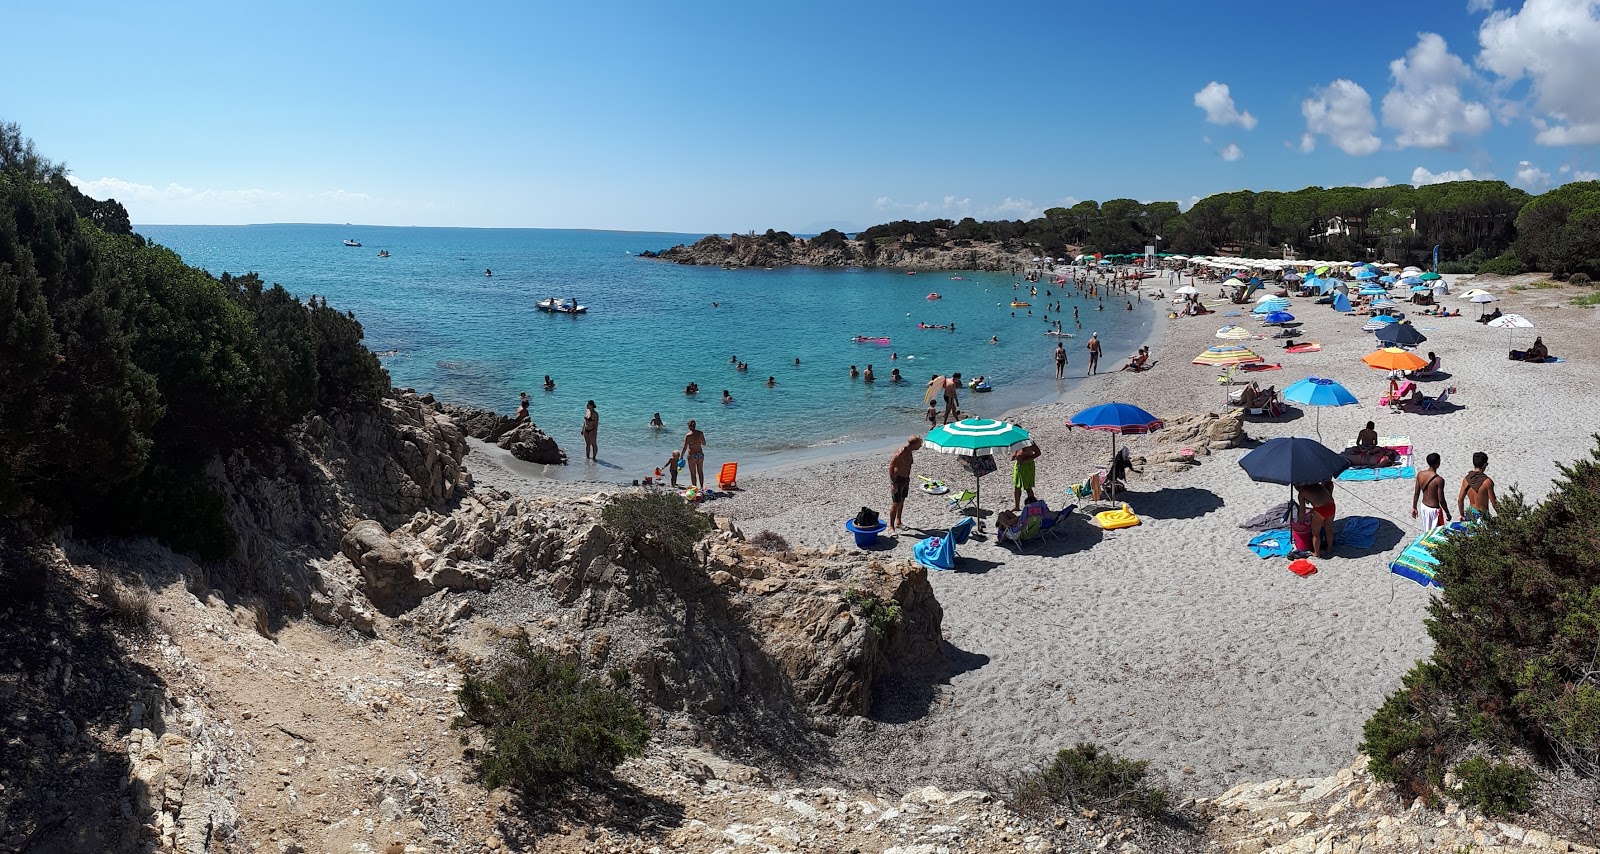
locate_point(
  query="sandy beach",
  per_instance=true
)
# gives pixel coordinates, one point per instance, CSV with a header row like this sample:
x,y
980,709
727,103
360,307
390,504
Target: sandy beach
x,y
1171,641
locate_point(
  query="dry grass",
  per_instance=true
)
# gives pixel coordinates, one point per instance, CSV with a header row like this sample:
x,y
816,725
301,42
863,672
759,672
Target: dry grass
x,y
128,604
770,541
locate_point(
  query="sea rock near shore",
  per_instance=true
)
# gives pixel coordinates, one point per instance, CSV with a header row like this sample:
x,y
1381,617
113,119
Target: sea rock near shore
x,y
751,250
523,439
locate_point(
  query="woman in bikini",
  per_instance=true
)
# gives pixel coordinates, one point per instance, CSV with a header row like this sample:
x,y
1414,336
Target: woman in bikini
x,y
591,432
694,450
1316,499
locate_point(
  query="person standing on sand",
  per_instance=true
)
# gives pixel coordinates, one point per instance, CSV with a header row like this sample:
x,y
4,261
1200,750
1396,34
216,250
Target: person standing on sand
x,y
1318,509
1094,353
1061,360
694,451
591,433
900,479
933,415
1022,474
1430,490
952,403
1477,488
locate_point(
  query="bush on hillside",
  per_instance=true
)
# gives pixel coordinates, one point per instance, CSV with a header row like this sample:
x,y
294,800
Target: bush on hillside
x,y
1505,265
542,723
1579,279
1516,633
1085,777
1500,789
663,519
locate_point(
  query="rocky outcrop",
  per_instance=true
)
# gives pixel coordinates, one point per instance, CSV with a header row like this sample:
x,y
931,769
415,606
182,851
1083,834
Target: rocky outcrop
x,y
478,423
750,250
528,443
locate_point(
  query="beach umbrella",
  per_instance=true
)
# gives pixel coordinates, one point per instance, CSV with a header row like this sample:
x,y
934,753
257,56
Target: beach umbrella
x,y
1411,270
1118,419
1420,289
1472,293
1378,322
1385,303
1271,305
1187,290
1273,317
1224,355
1293,277
1233,283
1430,277
1293,461
1411,280
1372,291
1394,359
976,437
1511,323
1364,275
1400,335
1321,269
1234,333
1317,392
1389,280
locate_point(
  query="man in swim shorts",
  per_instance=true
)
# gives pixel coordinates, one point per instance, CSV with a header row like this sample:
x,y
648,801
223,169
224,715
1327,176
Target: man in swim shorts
x,y
1430,491
952,404
1022,474
1477,498
900,479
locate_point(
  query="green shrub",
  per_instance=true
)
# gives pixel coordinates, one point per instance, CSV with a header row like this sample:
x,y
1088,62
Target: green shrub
x,y
1579,279
662,518
1457,267
1500,789
1505,265
1083,777
542,723
880,615
1587,299
1515,634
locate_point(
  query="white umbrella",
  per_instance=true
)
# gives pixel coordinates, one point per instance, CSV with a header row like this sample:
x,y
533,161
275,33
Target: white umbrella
x,y
1510,323
1187,290
1483,298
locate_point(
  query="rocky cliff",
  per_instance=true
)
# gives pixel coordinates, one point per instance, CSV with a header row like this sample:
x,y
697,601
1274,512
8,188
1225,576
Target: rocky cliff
x,y
749,250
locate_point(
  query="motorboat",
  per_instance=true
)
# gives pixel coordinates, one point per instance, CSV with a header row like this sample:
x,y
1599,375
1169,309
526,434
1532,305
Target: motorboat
x,y
561,306
355,243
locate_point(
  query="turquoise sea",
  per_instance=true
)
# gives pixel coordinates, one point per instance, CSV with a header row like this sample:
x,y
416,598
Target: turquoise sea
x,y
447,328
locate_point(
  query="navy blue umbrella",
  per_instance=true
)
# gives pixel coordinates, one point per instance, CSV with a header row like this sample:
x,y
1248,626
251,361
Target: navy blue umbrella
x,y
1293,461
1400,335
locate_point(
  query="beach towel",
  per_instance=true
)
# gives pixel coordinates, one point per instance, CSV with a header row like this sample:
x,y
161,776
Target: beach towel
x,y
1254,368
1233,314
936,552
1274,543
1357,531
1302,567
1307,347
1275,516
1417,562
1364,475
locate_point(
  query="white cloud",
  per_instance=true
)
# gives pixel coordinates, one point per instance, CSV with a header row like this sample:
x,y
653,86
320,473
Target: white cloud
x,y
1425,104
1585,175
1421,176
129,193
1341,111
1188,203
1217,101
1530,177
1373,184
1479,6
957,207
949,206
1010,208
1232,152
1555,45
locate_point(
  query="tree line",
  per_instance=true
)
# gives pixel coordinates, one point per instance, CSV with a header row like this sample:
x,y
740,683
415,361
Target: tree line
x,y
1485,225
126,371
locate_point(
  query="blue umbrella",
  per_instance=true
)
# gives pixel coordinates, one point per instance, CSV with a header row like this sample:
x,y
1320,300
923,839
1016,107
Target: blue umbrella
x,y
1372,291
1116,419
1314,391
1278,317
1271,305
1411,280
1293,460
1420,289
1388,280
1341,303
1366,274
1400,335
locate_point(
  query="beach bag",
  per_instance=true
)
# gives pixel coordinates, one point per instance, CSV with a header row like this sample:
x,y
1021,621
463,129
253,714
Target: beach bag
x,y
1300,532
867,518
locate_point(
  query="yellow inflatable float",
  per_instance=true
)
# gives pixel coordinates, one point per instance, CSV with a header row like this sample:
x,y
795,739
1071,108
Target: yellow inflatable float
x,y
1111,520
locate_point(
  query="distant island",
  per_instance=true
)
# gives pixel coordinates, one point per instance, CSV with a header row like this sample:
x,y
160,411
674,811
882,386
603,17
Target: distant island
x,y
832,248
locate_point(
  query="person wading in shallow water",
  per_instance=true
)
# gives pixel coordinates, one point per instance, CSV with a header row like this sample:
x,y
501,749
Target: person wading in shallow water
x,y
1061,360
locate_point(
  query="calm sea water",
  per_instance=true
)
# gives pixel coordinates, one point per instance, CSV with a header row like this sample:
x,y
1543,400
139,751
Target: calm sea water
x,y
652,329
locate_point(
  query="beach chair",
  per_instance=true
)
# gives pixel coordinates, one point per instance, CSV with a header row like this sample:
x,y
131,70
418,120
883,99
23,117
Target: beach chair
x,y
1433,368
936,552
728,478
961,530
1432,404
1026,530
1053,525
963,501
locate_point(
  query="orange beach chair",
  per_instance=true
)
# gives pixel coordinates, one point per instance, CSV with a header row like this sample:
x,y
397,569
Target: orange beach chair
x,y
728,477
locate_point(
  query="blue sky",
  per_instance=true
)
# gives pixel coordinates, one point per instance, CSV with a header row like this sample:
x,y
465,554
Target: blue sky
x,y
732,116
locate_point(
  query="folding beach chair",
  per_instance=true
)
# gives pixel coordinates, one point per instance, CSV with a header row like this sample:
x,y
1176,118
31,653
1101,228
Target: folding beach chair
x,y
1028,529
1054,525
728,478
963,501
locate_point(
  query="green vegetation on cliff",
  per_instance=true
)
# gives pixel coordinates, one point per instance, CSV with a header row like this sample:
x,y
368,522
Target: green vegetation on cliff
x,y
1516,661
126,370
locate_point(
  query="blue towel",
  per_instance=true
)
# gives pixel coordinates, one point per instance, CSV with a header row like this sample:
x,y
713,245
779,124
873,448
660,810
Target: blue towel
x,y
1232,314
1388,473
1358,531
936,552
1275,543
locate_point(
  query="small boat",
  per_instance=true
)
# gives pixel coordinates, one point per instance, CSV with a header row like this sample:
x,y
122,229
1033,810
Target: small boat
x,y
561,306
934,295
383,253
1020,304
356,243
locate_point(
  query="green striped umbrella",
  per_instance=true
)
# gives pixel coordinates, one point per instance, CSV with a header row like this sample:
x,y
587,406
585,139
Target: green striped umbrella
x,y
976,437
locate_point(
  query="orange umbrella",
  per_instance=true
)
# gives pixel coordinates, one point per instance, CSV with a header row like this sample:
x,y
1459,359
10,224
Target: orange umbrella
x,y
1394,359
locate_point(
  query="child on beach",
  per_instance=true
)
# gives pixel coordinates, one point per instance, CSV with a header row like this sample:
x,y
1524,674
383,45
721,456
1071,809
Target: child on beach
x,y
672,468
933,415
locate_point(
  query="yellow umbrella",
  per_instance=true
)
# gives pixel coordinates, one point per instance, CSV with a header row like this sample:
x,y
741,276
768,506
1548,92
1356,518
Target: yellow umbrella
x,y
1394,359
1228,354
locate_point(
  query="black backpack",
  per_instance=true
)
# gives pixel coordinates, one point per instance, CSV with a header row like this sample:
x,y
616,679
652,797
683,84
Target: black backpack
x,y
867,518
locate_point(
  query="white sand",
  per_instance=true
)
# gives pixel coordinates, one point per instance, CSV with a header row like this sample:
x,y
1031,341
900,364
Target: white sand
x,y
1171,641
